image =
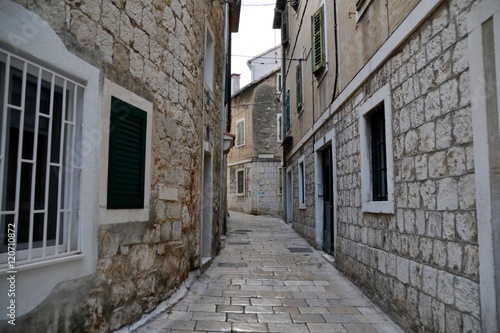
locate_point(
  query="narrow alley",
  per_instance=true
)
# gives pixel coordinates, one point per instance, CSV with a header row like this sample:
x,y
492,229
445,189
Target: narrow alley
x,y
268,279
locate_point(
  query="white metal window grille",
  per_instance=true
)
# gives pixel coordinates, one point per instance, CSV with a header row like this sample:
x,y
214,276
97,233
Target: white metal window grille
x,y
40,161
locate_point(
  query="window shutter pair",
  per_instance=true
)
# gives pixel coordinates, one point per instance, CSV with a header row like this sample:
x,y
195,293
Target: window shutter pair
x,y
284,27
298,82
317,41
127,156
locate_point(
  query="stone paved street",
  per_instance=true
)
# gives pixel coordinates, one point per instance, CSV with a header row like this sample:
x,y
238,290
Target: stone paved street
x,y
268,279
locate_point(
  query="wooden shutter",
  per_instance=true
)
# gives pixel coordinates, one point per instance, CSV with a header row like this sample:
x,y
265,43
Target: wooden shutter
x,y
317,41
359,4
298,82
287,104
284,27
127,155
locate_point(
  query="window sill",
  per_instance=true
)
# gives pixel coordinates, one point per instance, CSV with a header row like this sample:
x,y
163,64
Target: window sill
x,y
378,207
302,206
240,194
42,263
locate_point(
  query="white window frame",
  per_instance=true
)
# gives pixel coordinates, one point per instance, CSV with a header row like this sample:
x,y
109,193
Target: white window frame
x,y
111,216
69,163
240,194
240,138
301,174
369,206
279,127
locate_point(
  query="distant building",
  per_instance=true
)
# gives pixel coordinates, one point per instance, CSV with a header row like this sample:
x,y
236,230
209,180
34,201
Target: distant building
x,y
391,151
254,163
264,63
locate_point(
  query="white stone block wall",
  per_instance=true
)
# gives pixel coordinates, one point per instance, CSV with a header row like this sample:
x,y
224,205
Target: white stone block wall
x,y
422,262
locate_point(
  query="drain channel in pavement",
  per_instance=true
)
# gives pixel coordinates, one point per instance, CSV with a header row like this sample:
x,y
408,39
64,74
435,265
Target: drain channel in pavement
x,y
232,264
300,250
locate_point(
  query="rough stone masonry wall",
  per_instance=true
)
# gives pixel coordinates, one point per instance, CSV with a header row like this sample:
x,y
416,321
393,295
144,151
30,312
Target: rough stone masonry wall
x,y
154,49
422,263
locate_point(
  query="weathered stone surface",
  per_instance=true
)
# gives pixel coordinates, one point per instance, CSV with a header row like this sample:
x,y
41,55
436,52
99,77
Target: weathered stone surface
x,y
467,296
84,29
447,194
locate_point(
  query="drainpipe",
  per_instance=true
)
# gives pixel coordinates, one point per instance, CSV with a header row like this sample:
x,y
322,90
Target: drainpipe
x,y
283,129
335,30
223,124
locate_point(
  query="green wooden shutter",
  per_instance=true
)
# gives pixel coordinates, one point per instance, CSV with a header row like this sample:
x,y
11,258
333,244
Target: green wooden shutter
x,y
127,156
317,41
284,27
287,105
359,3
298,82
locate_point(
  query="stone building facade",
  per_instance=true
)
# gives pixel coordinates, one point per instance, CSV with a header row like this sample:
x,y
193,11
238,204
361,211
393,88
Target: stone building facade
x,y
254,164
129,95
413,223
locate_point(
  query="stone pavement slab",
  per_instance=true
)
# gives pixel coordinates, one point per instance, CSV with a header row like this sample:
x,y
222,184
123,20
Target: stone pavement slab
x,y
269,279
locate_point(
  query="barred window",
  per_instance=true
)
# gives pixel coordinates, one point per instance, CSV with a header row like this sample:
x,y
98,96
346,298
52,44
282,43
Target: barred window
x,y
40,160
240,181
378,152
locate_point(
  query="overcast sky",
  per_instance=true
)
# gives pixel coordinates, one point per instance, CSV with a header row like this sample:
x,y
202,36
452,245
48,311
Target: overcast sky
x,y
255,35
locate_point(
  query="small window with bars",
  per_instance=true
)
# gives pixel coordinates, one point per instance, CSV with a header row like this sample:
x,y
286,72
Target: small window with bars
x,y
377,156
40,161
240,182
378,153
